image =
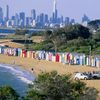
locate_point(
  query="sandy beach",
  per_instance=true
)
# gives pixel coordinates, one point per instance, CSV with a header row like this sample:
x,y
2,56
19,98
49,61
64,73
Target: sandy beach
x,y
46,66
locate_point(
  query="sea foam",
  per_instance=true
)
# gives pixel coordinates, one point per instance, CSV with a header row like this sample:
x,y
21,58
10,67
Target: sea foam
x,y
21,74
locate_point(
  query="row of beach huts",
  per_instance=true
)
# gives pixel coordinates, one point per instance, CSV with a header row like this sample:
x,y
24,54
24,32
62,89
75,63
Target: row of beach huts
x,y
65,57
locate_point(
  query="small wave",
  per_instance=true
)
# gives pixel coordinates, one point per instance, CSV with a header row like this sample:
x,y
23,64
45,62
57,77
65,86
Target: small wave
x,y
24,76
25,80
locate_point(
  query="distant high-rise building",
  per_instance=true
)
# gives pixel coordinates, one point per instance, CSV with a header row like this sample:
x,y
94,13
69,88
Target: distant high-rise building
x,y
33,14
16,19
85,18
28,21
46,18
22,19
67,20
62,19
7,12
38,18
54,6
13,18
72,21
41,19
55,12
1,15
10,23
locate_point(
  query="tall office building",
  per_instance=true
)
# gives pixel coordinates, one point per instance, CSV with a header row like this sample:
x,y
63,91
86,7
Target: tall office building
x,y
16,19
67,20
42,18
85,18
1,15
72,21
54,6
33,14
28,21
7,12
55,12
22,19
62,19
46,20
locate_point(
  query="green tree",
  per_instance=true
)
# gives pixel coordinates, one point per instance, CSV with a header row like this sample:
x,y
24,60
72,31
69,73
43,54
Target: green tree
x,y
61,36
7,93
96,36
75,31
57,37
52,86
94,24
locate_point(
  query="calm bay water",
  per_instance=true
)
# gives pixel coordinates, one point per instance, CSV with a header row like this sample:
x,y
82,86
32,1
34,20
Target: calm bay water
x,y
16,78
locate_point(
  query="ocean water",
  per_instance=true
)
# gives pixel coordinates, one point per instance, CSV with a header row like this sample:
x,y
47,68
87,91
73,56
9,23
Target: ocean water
x,y
15,77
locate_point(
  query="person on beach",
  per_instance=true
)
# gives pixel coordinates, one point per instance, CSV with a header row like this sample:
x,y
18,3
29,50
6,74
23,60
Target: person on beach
x,y
32,70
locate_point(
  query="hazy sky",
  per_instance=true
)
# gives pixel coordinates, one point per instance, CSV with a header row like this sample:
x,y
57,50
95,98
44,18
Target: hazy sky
x,y
70,8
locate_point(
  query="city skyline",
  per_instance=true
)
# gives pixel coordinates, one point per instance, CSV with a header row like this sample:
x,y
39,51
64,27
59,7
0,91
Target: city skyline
x,y
75,9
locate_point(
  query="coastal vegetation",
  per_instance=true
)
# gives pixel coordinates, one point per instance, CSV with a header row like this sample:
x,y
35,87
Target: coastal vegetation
x,y
52,86
71,38
8,93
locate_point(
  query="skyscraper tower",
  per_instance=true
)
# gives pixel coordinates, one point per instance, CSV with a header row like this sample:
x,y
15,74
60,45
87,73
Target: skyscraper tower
x,y
22,19
55,12
1,15
33,14
54,6
7,12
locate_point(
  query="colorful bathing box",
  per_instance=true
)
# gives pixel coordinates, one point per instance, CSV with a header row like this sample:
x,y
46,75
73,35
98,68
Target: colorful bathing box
x,y
64,57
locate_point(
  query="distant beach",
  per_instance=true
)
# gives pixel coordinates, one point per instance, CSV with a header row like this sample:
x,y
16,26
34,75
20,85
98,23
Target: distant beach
x,y
46,66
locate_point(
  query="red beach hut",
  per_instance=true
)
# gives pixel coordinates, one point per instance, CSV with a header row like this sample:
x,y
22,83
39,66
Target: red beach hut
x,y
57,57
68,57
24,53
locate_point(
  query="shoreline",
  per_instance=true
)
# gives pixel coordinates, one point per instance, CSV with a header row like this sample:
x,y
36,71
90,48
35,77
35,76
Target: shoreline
x,y
46,66
19,62
39,66
19,72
